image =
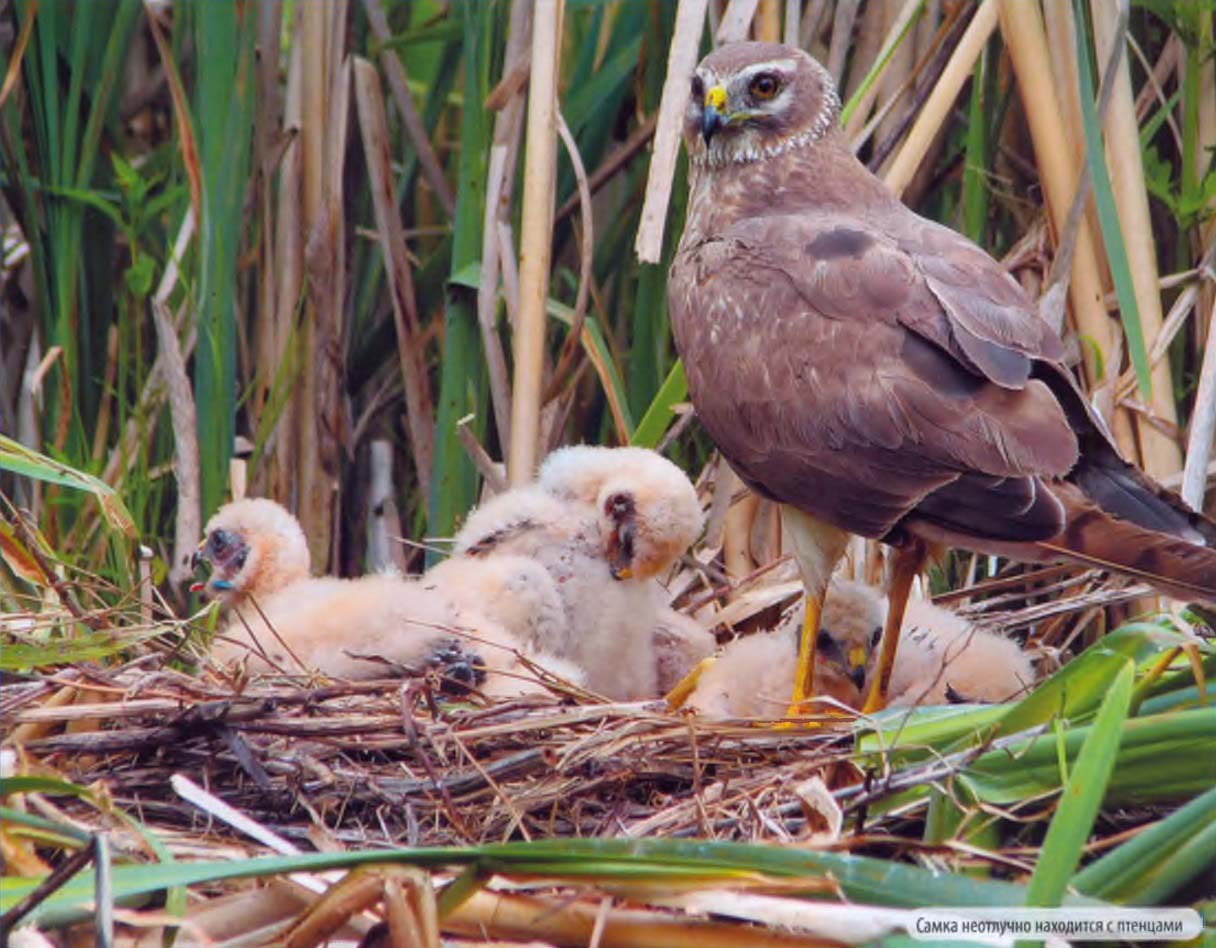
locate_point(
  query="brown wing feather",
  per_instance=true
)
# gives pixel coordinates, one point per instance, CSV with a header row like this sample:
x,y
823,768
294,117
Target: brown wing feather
x,y
817,392
1178,568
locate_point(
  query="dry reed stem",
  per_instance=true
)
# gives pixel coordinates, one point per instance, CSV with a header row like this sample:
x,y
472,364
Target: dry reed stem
x,y
181,409
736,21
536,241
894,29
1022,28
843,19
500,179
681,60
941,101
1160,454
311,506
397,272
1203,425
569,923
410,119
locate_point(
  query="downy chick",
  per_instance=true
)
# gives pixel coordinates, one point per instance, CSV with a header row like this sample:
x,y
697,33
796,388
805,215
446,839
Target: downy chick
x,y
602,522
281,619
753,676
942,658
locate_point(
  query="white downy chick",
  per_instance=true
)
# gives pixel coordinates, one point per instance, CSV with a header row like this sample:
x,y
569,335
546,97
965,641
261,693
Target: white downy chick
x,y
754,675
602,522
942,658
281,619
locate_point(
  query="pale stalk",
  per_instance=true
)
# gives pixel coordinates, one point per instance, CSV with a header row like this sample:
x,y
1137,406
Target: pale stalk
x,y
535,244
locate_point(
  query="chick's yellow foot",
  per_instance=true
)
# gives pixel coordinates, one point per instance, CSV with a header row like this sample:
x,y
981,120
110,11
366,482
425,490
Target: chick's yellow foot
x,y
679,695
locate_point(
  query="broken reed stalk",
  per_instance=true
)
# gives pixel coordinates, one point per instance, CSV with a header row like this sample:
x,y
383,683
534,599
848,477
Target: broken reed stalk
x,y
500,177
736,21
536,242
940,103
1022,28
1203,425
410,120
681,60
419,411
1160,454
187,524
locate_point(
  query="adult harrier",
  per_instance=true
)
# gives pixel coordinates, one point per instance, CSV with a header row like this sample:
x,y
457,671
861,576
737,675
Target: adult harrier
x,y
877,373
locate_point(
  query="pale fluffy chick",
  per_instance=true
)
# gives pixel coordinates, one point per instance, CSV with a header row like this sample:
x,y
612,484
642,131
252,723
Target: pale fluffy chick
x,y
281,619
602,522
606,630
754,675
680,642
942,658
648,510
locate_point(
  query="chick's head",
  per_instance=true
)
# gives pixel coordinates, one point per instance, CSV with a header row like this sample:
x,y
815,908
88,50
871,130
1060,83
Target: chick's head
x,y
254,547
647,509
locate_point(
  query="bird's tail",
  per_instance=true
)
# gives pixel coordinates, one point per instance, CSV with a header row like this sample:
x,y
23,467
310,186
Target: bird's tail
x,y
1132,526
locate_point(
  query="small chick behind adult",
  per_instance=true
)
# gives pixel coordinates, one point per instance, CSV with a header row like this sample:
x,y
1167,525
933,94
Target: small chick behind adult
x,y
278,618
942,659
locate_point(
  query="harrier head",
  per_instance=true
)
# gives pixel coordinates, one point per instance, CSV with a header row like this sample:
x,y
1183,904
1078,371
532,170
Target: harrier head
x,y
756,100
253,547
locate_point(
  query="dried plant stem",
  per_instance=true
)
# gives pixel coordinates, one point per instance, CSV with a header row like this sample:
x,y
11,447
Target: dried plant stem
x,y
1022,28
535,244
1203,425
181,409
681,60
1160,454
400,281
937,108
736,21
500,177
419,139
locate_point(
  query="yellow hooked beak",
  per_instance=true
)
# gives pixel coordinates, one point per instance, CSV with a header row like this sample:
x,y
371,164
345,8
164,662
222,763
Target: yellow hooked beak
x,y
713,114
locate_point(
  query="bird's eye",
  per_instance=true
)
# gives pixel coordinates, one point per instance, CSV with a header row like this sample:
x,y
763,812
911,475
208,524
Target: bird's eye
x,y
875,637
219,541
824,642
618,505
698,89
764,86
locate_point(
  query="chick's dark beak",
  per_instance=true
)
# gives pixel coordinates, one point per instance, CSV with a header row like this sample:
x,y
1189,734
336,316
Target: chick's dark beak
x,y
711,121
620,550
858,676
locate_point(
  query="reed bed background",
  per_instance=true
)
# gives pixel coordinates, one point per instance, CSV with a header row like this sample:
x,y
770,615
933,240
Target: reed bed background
x,y
374,258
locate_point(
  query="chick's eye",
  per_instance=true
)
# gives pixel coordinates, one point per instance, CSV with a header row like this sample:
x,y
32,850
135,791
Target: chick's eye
x,y
824,642
764,86
698,89
875,636
619,504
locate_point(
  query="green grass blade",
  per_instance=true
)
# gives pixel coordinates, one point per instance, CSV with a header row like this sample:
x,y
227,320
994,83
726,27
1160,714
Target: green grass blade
x,y
462,388
18,458
616,861
1154,864
1083,794
877,69
223,114
659,415
1108,215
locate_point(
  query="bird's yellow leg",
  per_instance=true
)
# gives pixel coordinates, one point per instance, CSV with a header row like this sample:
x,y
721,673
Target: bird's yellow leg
x,y
804,671
907,563
687,685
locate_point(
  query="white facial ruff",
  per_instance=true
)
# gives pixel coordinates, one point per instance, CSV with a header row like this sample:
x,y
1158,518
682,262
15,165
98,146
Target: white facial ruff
x,y
718,156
